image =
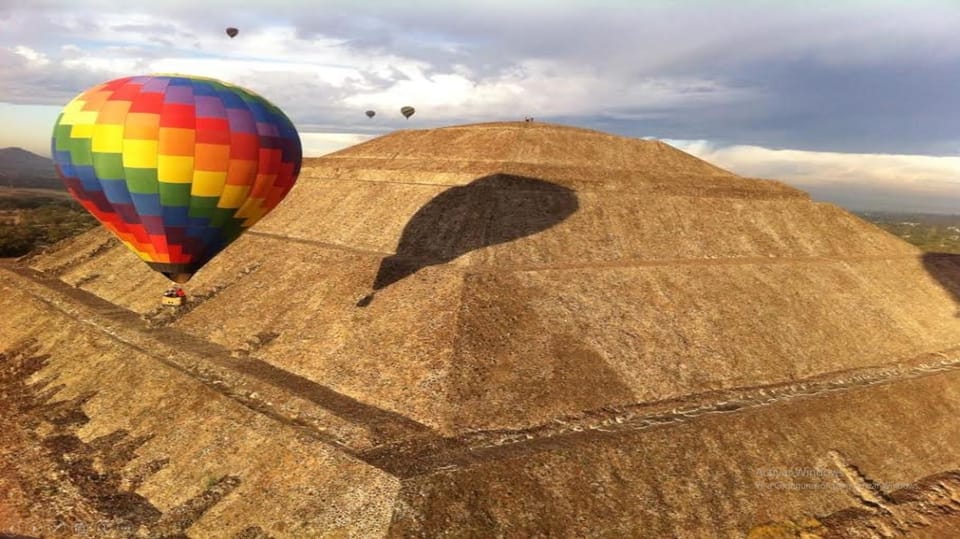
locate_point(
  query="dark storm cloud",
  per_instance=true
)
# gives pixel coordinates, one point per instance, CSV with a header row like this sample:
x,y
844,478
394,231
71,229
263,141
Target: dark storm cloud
x,y
909,107
845,76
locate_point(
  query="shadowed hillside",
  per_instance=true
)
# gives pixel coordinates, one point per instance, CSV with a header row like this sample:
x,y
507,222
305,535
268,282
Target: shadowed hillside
x,y
22,169
573,334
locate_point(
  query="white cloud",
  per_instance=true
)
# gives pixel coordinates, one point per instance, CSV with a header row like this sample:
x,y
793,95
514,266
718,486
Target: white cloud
x,y
317,144
108,66
817,167
323,81
34,58
540,87
933,181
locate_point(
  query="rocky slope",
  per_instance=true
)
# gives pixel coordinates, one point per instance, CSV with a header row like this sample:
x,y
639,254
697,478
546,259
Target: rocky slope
x,y
505,328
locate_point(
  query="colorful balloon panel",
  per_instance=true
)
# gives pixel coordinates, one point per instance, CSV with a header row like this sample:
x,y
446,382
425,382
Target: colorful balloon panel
x,y
176,166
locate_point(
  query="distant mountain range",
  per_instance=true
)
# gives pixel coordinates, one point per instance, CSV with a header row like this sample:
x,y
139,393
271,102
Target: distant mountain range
x,y
20,168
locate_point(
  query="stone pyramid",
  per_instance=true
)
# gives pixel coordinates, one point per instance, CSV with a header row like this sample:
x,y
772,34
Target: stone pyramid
x,y
505,329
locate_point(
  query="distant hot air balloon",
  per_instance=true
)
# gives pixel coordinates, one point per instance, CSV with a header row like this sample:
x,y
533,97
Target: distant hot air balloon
x,y
176,167
371,114
407,112
232,32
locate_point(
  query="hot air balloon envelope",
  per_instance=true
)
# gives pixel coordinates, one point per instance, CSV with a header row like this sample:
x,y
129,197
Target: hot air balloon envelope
x,y
407,111
371,114
232,32
176,167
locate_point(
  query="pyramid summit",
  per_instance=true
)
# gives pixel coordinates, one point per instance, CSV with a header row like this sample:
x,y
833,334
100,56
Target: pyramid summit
x,y
509,328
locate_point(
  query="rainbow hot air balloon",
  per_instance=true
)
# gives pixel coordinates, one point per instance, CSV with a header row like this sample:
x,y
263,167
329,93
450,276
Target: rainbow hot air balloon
x,y
176,166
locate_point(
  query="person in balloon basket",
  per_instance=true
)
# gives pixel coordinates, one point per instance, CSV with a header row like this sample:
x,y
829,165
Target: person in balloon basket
x,y
175,292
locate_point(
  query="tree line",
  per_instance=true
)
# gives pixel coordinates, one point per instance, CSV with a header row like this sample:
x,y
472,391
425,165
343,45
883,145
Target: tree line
x,y
33,222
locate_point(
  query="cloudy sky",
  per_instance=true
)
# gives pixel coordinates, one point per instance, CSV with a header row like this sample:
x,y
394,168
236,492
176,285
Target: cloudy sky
x,y
857,102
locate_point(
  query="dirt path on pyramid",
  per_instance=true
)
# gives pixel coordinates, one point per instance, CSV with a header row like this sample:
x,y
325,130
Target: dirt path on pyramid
x,y
397,444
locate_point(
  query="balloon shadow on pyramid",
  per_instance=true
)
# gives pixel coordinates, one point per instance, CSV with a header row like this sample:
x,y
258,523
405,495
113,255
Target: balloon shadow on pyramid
x,y
487,211
945,268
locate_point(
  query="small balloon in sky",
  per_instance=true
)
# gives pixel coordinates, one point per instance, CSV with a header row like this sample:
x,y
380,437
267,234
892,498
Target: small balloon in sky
x,y
371,113
232,32
407,111
177,167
